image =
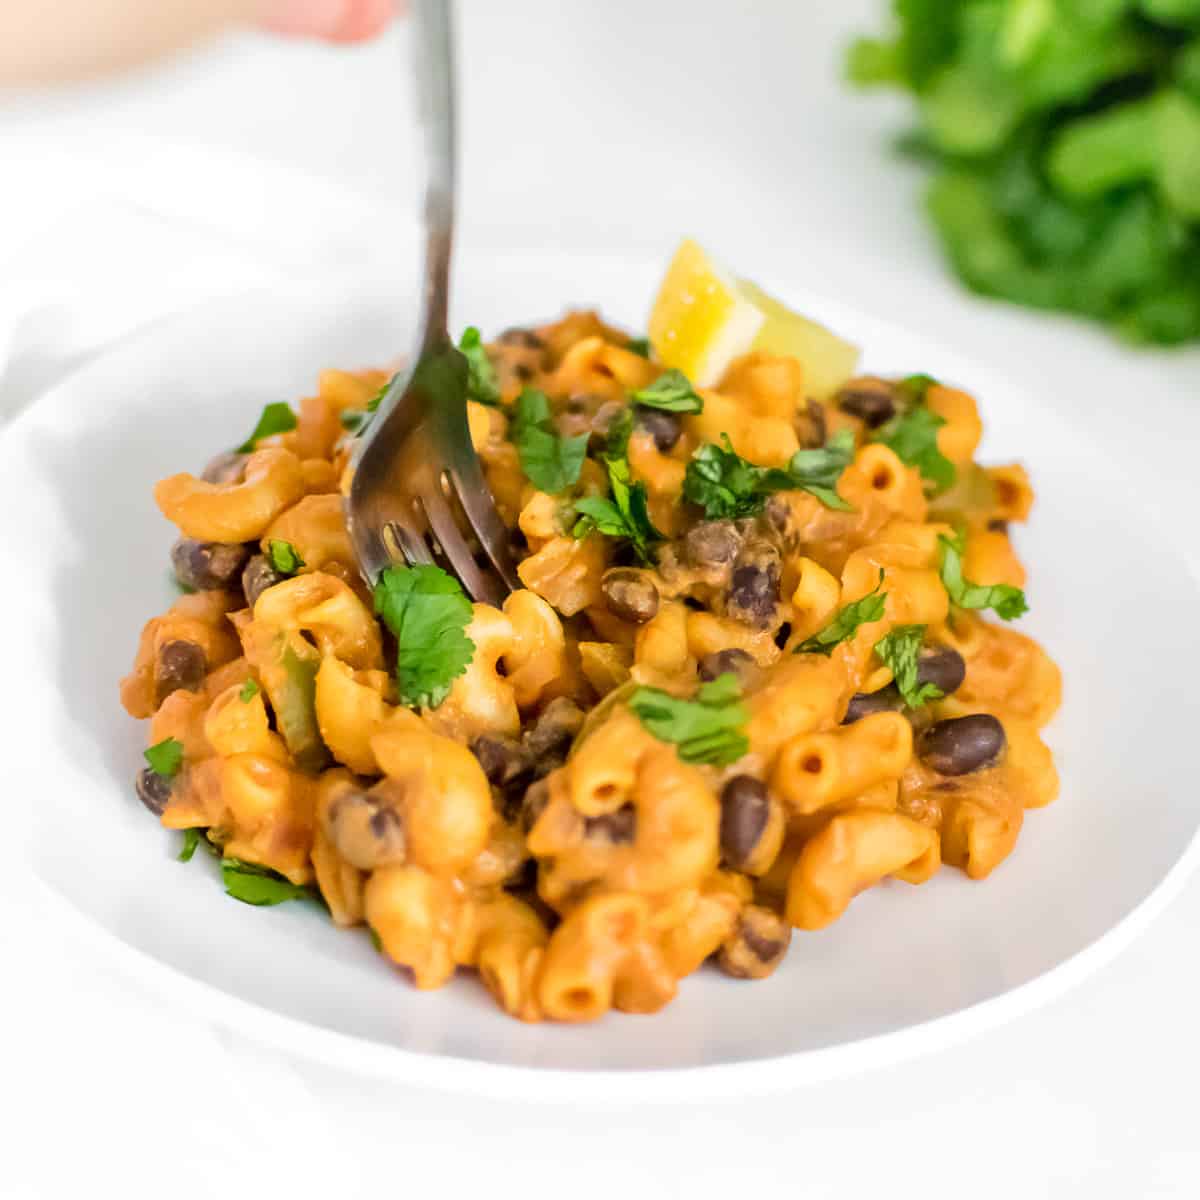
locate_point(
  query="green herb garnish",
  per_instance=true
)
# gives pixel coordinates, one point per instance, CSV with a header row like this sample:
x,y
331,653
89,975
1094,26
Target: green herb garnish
x,y
248,692
639,346
551,463
899,650
726,485
191,839
625,515
165,757
845,622
1006,601
428,612
252,884
483,384
707,729
284,557
912,437
276,418
672,391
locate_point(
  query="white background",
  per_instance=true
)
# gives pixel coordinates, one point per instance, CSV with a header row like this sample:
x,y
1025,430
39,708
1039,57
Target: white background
x,y
597,125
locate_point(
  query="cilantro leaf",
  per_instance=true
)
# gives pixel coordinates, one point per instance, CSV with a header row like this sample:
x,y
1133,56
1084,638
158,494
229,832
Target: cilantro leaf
x,y
626,515
707,729
817,471
165,757
353,420
1006,601
914,388
912,437
191,839
899,650
284,557
672,391
845,622
427,611
276,418
550,462
725,485
248,692
639,346
483,384
252,884
616,442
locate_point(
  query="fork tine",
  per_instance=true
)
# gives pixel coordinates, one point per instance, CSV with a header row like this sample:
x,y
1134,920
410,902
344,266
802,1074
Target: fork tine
x,y
476,499
455,550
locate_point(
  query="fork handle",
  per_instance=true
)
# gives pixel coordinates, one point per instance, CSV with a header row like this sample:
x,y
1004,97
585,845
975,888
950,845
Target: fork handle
x,y
433,50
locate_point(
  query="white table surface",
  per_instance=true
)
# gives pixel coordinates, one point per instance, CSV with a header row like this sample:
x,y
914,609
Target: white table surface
x,y
613,125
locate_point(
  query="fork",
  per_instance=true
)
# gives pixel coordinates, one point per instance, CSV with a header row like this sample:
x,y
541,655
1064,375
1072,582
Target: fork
x,y
415,463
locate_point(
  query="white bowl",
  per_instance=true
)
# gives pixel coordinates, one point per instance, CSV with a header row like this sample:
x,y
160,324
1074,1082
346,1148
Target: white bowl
x,y
84,560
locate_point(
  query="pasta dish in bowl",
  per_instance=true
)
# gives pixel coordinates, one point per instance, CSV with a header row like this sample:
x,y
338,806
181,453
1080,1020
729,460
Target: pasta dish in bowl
x,y
761,661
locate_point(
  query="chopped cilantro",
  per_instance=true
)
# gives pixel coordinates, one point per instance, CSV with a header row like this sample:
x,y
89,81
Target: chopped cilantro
x,y
428,612
616,442
276,418
671,391
248,692
625,515
639,346
353,419
191,839
550,462
846,622
284,557
483,385
912,437
725,485
165,757
899,651
1006,601
914,388
708,729
252,884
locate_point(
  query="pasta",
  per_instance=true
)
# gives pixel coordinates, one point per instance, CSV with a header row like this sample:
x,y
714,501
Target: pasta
x,y
759,663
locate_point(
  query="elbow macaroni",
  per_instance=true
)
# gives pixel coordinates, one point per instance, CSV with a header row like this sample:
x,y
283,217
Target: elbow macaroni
x,y
584,878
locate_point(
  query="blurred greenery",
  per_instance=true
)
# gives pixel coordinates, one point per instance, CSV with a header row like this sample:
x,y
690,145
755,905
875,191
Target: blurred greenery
x,y
1063,138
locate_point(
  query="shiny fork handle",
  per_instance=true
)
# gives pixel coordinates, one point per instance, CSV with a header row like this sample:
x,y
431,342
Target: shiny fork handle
x,y
433,48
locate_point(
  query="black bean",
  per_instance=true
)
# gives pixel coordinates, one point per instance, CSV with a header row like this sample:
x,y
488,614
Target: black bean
x,y
153,790
711,544
366,827
754,584
629,594
257,577
207,566
225,468
962,744
619,828
758,944
872,400
537,796
811,426
503,759
943,667
180,664
745,813
666,428
728,662
866,704
554,729
521,337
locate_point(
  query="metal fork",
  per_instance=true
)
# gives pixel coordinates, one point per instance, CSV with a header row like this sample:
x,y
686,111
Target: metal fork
x,y
415,462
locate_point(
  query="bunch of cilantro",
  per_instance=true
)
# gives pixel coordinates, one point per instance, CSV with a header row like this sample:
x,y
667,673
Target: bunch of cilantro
x,y
1064,139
